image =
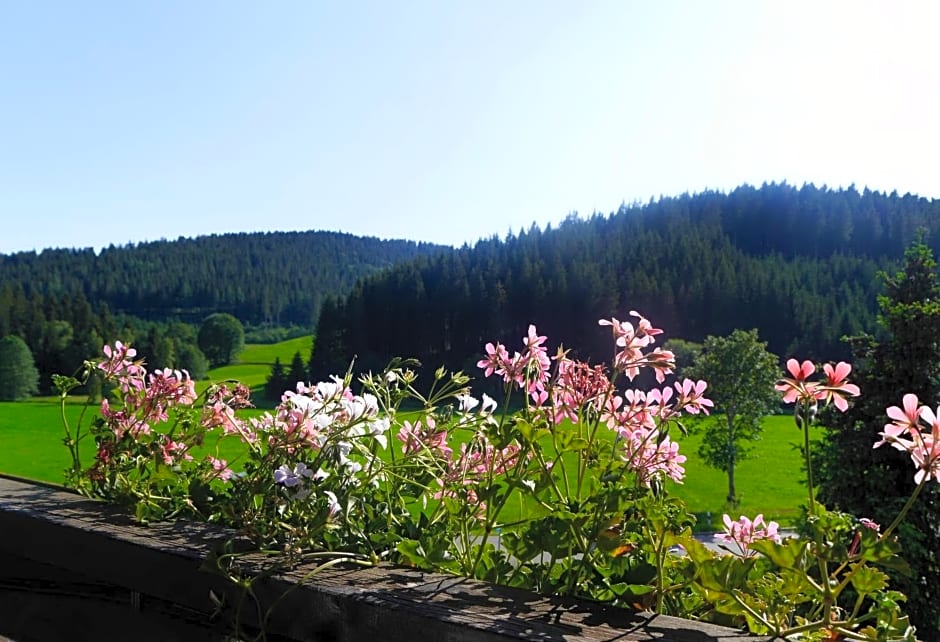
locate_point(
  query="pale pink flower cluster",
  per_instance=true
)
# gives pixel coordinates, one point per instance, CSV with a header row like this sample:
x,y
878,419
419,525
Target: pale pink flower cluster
x,y
219,411
324,414
578,387
744,532
648,408
651,454
857,539
173,450
477,462
424,436
119,363
146,400
636,417
300,479
833,389
632,341
915,429
220,468
326,418
529,369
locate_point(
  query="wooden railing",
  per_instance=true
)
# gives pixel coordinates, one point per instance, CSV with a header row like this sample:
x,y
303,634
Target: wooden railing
x,y
75,569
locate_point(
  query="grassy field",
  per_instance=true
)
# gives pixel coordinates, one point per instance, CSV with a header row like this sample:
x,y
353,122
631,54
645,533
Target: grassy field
x,y
255,361
770,482
31,439
264,354
31,431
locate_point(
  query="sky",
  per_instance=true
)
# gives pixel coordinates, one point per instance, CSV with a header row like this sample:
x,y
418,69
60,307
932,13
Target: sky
x,y
444,121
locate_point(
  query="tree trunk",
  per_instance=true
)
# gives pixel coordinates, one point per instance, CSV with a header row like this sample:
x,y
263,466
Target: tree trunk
x,y
732,460
732,496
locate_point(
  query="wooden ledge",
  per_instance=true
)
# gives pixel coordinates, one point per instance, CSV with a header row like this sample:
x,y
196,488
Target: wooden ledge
x,y
72,568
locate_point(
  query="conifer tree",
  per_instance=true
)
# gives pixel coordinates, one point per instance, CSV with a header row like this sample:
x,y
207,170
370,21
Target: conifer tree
x,y
875,483
277,382
297,372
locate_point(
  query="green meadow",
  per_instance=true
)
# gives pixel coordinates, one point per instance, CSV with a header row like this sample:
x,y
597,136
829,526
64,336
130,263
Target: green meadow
x,y
31,431
254,363
770,482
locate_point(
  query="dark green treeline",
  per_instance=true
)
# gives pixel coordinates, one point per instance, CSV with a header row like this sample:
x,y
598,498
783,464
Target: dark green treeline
x,y
799,264
277,278
65,304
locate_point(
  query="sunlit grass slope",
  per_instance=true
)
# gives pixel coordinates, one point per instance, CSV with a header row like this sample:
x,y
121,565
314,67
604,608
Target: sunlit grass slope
x,y
771,481
254,363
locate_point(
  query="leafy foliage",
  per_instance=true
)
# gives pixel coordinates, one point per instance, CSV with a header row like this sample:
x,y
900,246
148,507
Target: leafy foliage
x,y
19,378
741,376
323,480
221,337
799,264
277,278
876,482
277,381
66,304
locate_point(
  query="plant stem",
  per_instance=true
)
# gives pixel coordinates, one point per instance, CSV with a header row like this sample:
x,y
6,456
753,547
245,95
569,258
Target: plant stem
x,y
757,616
804,411
906,508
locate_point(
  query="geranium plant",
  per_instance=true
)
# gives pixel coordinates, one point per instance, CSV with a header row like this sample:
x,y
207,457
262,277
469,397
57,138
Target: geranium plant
x,y
562,489
826,583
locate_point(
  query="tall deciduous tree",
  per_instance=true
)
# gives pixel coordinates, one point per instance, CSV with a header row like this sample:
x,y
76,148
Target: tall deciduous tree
x,y
740,373
19,378
875,483
221,337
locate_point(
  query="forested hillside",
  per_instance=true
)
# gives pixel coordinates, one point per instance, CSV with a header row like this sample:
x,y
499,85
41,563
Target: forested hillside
x,y
799,264
277,278
66,303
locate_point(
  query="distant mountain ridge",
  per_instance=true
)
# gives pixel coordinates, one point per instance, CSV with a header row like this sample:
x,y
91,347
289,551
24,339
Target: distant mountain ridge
x,y
798,263
276,278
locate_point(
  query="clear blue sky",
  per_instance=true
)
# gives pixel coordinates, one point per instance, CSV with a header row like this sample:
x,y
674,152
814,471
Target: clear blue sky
x,y
444,121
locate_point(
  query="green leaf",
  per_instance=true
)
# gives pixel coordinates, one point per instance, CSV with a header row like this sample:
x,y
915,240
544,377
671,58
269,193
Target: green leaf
x,y
790,553
411,551
867,580
576,443
698,552
885,552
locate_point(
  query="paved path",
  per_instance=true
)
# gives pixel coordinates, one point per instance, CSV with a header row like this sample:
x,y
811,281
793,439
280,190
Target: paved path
x,y
711,539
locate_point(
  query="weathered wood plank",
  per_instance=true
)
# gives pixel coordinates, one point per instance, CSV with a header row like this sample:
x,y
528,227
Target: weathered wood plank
x,y
95,547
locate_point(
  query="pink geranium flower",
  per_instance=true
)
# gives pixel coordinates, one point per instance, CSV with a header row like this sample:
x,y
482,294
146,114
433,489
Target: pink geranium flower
x,y
742,533
836,387
906,433
797,387
833,389
220,468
